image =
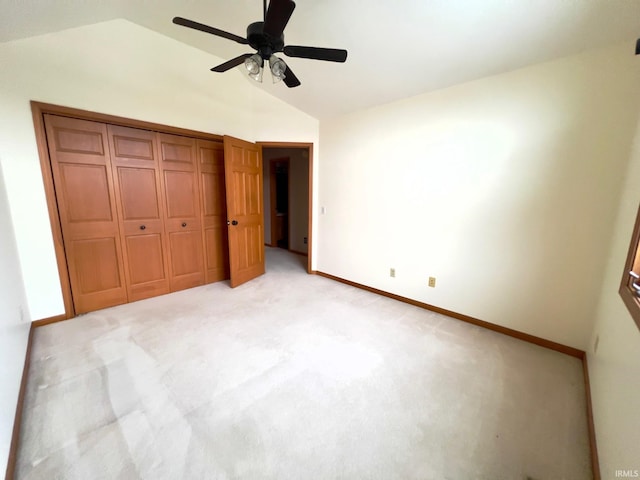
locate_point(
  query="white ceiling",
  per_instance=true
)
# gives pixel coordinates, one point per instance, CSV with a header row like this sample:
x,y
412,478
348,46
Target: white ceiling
x,y
397,48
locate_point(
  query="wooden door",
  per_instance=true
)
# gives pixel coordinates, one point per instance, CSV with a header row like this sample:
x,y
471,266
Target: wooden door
x,y
79,153
243,181
136,175
214,209
183,224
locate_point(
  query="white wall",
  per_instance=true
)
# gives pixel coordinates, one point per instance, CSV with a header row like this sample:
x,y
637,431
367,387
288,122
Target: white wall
x,y
122,69
614,368
505,189
14,326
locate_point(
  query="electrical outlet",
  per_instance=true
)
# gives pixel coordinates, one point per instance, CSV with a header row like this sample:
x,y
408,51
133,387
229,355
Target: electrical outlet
x,y
392,272
432,282
305,240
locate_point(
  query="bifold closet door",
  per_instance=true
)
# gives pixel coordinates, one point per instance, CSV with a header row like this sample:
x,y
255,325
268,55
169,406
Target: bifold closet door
x,y
79,153
183,224
214,210
136,174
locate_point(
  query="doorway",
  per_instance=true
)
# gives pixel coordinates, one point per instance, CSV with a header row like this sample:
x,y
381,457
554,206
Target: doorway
x,y
287,176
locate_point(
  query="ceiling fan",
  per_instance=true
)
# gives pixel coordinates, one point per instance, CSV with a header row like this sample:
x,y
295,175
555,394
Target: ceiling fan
x,y
267,39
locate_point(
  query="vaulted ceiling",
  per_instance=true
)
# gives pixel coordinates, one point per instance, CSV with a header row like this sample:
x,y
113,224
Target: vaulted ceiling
x,y
397,48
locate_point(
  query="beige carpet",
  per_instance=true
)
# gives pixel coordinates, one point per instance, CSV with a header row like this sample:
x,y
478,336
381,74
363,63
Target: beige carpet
x,y
294,376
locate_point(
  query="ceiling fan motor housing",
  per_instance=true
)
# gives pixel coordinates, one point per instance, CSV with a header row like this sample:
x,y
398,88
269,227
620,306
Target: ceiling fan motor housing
x,y
262,42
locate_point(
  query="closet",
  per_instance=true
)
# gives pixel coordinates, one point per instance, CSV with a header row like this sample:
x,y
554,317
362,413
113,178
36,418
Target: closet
x,y
142,213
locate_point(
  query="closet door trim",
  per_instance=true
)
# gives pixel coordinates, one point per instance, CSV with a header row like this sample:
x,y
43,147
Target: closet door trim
x,y
38,110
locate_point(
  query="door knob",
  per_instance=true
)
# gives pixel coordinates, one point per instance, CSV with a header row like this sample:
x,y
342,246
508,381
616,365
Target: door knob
x,y
142,227
234,222
184,224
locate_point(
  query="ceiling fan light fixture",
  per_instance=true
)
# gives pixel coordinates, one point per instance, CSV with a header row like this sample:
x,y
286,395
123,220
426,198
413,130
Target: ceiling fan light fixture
x,y
254,64
266,37
278,68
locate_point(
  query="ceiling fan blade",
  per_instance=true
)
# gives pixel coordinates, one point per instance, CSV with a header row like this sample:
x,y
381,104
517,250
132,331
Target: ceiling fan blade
x,y
234,62
315,53
290,80
277,17
207,29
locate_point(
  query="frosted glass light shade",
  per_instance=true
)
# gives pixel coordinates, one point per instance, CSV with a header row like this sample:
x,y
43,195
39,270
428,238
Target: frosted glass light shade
x,y
253,64
278,67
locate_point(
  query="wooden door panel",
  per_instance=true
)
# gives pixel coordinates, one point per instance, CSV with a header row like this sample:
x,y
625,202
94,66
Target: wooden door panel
x,y
177,152
146,258
99,277
246,193
186,259
83,181
214,210
213,189
253,189
254,159
243,178
77,142
217,248
248,252
238,192
180,191
133,144
86,193
96,263
136,170
139,194
182,215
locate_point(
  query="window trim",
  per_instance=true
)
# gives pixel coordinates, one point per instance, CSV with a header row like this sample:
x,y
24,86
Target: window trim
x,y
629,296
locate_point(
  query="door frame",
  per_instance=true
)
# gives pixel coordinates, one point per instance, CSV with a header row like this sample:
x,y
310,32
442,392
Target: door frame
x,y
38,109
309,147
